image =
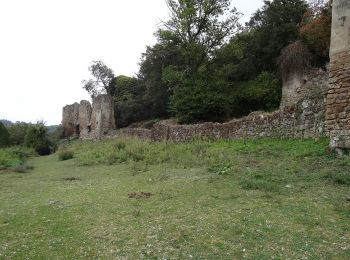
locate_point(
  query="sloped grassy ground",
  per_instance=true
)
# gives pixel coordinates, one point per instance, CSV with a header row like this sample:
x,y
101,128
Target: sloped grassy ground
x,y
260,199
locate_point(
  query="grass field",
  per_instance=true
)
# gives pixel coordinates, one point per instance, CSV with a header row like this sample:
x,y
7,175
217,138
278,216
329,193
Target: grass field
x,y
260,199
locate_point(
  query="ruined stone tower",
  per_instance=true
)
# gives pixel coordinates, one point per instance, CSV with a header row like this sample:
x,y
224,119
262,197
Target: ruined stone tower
x,y
338,95
88,121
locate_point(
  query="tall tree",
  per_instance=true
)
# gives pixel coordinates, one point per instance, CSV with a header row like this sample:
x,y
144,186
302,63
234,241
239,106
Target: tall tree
x,y
258,46
275,26
18,132
101,81
4,136
201,26
205,22
36,138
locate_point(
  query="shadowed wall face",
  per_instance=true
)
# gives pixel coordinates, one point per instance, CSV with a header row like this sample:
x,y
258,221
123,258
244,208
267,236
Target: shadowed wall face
x,y
338,96
102,118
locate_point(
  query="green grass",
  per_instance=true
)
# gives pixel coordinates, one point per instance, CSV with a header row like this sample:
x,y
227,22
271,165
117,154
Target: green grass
x,y
260,199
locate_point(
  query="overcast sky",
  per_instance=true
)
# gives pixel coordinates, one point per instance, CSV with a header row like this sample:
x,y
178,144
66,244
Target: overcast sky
x,y
46,47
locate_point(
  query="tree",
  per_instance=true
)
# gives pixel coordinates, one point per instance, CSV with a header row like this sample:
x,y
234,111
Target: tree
x,y
315,31
317,6
18,132
128,94
274,26
36,138
205,22
157,89
4,136
101,81
200,26
121,85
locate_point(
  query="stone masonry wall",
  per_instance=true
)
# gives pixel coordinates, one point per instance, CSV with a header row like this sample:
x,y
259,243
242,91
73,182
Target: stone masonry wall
x,y
70,119
102,118
303,118
338,96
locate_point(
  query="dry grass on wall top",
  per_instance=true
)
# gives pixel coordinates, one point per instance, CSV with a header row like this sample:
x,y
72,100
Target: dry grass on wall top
x,y
294,58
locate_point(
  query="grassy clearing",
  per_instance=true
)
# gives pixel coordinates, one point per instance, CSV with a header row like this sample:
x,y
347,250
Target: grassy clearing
x,y
205,200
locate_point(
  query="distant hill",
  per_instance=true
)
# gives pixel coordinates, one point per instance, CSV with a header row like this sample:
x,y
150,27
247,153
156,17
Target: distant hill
x,y
51,128
6,122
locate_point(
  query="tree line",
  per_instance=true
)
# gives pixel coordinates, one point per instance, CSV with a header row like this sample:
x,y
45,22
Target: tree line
x,y
34,136
205,66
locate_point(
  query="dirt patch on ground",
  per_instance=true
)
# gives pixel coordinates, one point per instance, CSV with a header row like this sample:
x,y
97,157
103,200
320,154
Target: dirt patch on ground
x,y
139,195
72,179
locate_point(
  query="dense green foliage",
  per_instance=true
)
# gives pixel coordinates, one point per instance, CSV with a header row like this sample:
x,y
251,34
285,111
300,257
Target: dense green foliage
x,y
36,138
4,136
259,199
205,66
27,140
14,156
128,98
18,133
102,77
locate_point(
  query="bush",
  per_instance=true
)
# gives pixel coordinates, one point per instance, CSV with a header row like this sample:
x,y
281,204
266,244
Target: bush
x,y
200,101
262,93
64,155
14,156
43,148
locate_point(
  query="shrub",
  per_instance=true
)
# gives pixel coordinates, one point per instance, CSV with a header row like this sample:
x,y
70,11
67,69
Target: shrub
x,y
262,93
64,155
14,156
9,159
199,101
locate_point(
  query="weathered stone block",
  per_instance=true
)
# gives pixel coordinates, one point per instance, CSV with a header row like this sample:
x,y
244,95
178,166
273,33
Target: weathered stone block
x,y
70,120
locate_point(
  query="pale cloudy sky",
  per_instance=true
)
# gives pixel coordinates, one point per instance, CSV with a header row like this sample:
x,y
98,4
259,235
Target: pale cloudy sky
x,y
46,47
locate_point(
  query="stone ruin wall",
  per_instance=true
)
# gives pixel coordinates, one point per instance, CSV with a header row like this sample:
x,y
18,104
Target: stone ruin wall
x,y
70,119
338,96
314,104
89,122
304,117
